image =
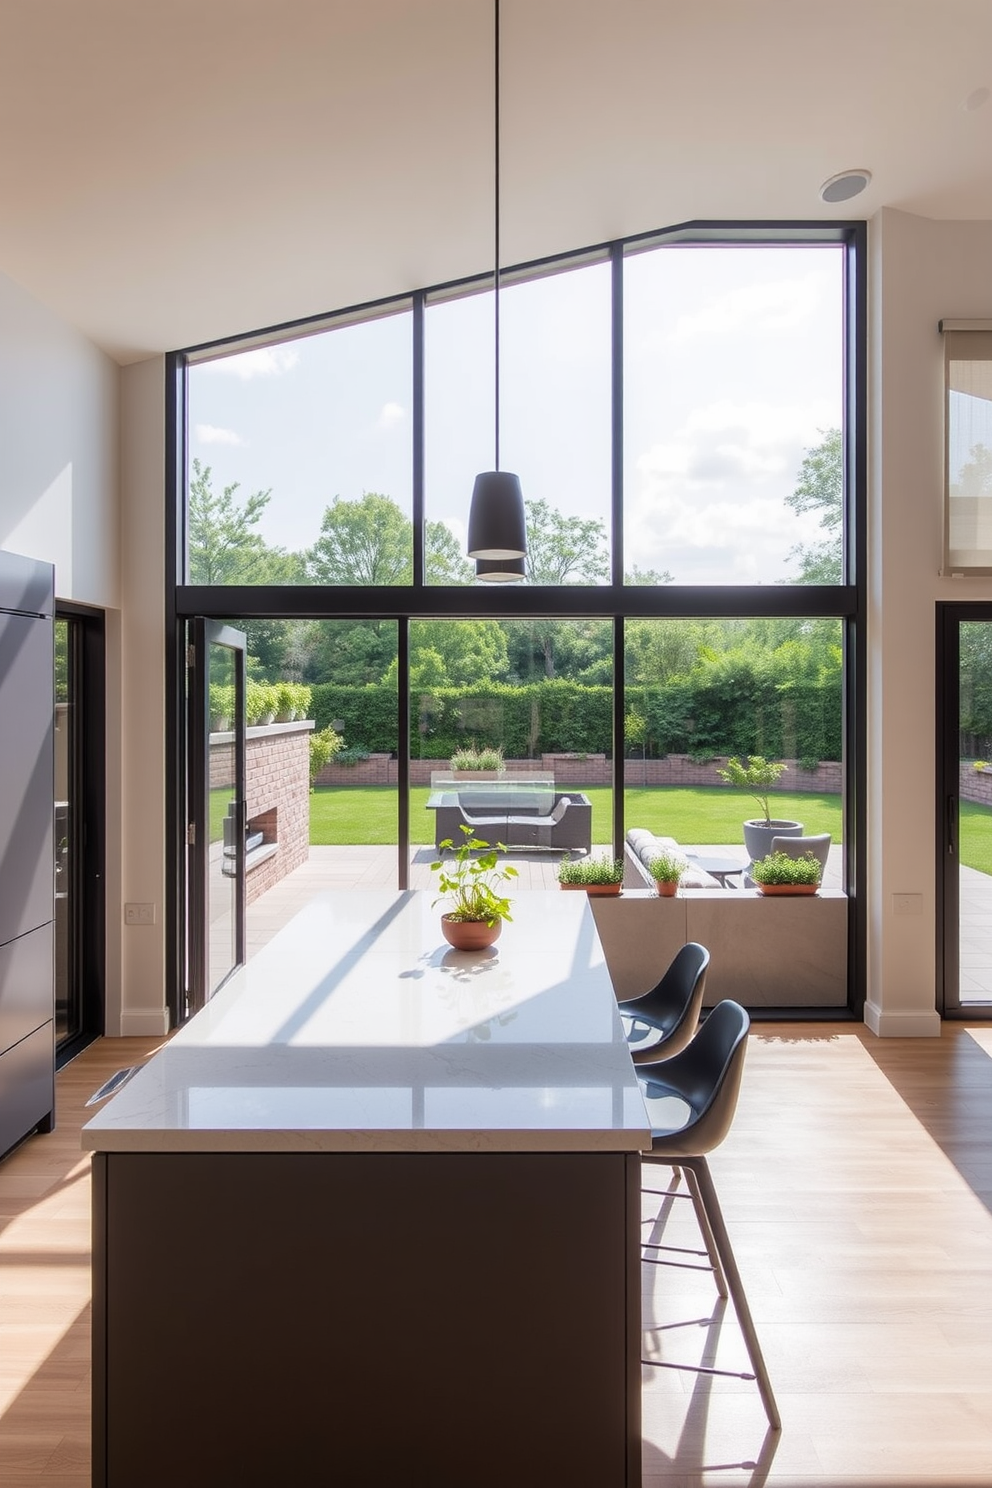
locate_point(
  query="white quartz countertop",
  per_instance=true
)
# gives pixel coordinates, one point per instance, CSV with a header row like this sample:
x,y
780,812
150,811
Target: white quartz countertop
x,y
358,1028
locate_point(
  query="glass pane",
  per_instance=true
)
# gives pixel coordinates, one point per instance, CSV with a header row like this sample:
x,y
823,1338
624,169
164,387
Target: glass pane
x,y
975,816
68,1012
299,454
555,420
222,816
733,407
320,764
511,735
700,691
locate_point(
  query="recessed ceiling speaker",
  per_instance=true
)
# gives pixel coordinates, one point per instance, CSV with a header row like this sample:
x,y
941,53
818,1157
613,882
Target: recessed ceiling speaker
x,y
842,187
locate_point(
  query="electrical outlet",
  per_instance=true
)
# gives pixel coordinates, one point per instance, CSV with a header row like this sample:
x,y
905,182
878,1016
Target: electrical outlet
x,y
139,914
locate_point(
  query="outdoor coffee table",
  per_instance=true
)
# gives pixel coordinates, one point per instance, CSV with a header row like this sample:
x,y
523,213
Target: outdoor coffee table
x,y
722,869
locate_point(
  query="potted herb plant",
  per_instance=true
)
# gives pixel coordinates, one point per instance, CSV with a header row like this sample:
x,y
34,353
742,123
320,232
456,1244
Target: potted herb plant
x,y
472,887
758,777
668,869
602,875
779,874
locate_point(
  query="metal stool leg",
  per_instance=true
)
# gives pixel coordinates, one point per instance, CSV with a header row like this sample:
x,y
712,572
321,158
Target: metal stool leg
x,y
707,1194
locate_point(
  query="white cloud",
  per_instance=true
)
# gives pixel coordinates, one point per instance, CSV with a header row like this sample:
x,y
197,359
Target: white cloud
x,y
210,434
708,502
781,306
390,415
264,361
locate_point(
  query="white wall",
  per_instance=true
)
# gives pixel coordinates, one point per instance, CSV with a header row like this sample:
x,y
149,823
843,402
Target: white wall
x,y
58,449
141,1009
921,270
59,456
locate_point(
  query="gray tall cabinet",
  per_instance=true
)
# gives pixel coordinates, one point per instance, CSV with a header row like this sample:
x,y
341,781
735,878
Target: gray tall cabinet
x,y
27,903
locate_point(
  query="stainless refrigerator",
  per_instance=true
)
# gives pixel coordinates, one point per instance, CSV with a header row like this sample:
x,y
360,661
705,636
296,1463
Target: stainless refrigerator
x,y
27,900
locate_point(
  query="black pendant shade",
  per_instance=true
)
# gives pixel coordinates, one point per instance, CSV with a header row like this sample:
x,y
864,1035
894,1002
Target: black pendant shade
x,y
497,526
500,570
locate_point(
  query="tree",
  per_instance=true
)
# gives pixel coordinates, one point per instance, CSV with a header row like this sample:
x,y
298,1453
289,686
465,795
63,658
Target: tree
x,y
444,562
223,546
365,542
453,653
564,550
820,488
648,576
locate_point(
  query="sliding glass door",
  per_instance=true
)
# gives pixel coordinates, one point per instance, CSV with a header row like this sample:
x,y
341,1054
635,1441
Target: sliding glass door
x,y
964,820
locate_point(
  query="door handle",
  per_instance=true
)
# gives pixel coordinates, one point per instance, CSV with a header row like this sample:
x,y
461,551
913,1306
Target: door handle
x,y
952,826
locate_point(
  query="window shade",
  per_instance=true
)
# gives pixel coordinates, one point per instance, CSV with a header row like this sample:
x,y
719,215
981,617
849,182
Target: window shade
x,y
968,450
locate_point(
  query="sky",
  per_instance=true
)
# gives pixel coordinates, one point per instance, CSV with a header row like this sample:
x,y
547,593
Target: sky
x,y
733,368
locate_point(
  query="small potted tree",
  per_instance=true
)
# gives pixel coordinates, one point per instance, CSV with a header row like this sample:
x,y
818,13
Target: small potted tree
x,y
758,777
472,887
668,869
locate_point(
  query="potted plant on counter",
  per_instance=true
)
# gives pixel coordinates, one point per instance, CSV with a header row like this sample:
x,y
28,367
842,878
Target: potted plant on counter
x,y
472,887
779,874
602,876
758,777
668,869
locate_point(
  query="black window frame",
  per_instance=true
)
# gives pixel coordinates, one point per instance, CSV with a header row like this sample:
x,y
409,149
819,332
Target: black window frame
x,y
614,600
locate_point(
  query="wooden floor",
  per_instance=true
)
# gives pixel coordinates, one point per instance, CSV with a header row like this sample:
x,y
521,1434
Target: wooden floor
x,y
857,1187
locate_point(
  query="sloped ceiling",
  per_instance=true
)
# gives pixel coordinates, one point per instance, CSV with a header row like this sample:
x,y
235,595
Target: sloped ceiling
x,y
178,171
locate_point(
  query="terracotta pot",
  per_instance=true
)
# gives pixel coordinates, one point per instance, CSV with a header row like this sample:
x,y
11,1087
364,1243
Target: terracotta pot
x,y
603,890
789,888
469,935
665,889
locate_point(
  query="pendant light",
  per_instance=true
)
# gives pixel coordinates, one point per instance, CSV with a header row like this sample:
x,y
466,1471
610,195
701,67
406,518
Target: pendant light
x,y
497,527
500,570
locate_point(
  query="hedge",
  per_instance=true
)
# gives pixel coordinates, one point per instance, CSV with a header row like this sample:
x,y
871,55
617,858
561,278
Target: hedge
x,y
744,714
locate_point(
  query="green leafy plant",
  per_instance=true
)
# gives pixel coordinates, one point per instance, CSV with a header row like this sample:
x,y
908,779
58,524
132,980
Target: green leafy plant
x,y
586,871
260,702
477,759
285,702
757,777
980,766
779,868
472,885
221,705
351,754
668,867
324,745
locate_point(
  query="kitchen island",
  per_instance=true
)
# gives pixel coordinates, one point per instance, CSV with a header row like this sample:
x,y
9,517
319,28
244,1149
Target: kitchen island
x,y
372,1216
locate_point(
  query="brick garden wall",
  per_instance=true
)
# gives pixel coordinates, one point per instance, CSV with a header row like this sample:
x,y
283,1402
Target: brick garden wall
x,y
585,770
974,785
277,765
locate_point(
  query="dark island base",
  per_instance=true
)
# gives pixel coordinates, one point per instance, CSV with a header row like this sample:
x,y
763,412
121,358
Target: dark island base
x,y
366,1318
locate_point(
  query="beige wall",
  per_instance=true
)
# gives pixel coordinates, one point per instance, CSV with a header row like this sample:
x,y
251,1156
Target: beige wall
x,y
142,1005
921,270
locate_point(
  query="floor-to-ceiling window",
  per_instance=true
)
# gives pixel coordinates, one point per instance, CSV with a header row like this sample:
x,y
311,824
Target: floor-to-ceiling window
x,y
683,413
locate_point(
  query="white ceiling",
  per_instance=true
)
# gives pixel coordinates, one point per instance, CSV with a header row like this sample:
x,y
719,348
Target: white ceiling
x,y
172,171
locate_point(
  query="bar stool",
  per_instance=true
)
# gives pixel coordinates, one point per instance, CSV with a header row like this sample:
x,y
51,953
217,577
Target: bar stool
x,y
706,1078
665,1019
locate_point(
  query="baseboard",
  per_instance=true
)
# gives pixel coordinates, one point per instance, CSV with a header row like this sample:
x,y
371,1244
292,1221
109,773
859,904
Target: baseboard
x,y
144,1023
901,1024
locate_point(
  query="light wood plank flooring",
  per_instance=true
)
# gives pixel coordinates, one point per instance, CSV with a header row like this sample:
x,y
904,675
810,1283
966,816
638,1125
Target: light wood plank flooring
x,y
857,1187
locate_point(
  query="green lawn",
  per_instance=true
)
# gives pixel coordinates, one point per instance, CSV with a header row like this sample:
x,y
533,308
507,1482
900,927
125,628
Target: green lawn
x,y
976,836
355,814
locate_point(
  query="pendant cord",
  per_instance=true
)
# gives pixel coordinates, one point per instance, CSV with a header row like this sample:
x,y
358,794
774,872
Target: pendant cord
x,y
496,213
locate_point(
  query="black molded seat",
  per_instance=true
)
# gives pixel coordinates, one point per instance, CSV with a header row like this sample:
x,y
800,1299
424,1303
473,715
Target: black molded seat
x,y
699,1088
664,1020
